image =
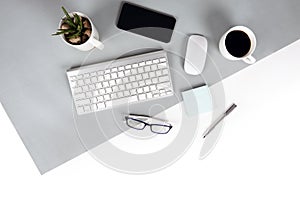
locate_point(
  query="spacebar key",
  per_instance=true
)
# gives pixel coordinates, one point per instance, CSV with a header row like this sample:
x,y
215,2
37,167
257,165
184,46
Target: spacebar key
x,y
124,101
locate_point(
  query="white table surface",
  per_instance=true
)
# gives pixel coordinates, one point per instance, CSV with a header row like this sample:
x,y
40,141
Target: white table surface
x,y
257,156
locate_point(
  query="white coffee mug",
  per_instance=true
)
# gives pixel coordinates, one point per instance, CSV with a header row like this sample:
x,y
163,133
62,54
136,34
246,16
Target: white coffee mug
x,y
248,58
92,42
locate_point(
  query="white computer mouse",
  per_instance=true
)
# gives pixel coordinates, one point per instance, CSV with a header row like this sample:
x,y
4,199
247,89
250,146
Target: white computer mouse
x,y
195,55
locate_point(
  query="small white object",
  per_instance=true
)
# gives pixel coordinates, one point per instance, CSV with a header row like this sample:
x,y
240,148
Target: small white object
x,y
195,55
197,101
119,85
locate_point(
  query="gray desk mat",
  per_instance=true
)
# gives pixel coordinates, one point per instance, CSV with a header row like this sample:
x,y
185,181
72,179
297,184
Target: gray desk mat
x,y
33,85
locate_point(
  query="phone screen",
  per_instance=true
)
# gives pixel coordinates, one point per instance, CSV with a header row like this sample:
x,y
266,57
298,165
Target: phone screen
x,y
146,22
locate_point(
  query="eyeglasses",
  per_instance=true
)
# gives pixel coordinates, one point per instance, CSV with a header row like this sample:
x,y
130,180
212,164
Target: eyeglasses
x,y
139,123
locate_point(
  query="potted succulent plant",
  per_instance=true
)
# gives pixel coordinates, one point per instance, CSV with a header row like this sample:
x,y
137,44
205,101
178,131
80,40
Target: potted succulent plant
x,y
78,31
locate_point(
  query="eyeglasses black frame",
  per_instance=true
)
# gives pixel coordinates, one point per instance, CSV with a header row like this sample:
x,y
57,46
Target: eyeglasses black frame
x,y
147,124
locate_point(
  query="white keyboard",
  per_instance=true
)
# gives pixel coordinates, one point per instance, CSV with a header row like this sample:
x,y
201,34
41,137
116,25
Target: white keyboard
x,y
128,80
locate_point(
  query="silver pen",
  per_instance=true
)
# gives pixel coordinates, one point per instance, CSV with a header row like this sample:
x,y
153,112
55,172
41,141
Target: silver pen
x,y
215,123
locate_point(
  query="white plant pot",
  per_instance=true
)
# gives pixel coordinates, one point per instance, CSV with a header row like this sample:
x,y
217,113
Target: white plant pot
x,y
91,43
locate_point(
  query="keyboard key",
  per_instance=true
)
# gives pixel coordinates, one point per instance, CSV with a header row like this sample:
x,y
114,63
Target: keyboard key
x,y
119,81
133,99
149,95
145,75
114,96
101,105
128,86
100,73
121,74
152,87
152,74
77,90
107,71
121,68
158,72
135,65
100,98
128,67
112,83
93,74
126,93
83,102
141,70
155,80
146,89
85,88
140,90
102,91
156,61
108,90
169,92
162,65
94,100
165,72
106,97
114,75
141,64
139,77
162,59
115,89
105,84
87,108
107,77
132,78
87,81
147,69
125,80
94,107
122,87
163,78
134,71
95,93
135,85
127,73
88,94
92,87
100,78
99,85
133,92
80,110
73,84
154,67
80,83
163,85
142,83
148,82
114,69
80,96
149,62
142,96
120,94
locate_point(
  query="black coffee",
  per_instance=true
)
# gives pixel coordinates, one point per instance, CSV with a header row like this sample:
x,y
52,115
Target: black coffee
x,y
238,43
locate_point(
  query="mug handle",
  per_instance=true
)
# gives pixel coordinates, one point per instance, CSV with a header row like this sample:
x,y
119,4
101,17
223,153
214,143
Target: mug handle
x,y
250,60
96,43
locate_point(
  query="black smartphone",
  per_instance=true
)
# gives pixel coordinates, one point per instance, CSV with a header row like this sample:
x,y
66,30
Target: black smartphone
x,y
146,22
